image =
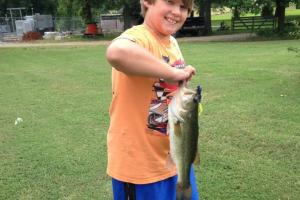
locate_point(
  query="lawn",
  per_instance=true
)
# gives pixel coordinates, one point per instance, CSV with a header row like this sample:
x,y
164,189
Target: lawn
x,y
249,136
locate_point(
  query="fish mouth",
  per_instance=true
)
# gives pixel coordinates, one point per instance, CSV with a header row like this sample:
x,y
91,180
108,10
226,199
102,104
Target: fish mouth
x,y
188,96
184,101
184,90
198,96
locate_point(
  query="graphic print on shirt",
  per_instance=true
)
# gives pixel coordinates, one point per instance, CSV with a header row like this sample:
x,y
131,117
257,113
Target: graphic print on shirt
x,y
158,112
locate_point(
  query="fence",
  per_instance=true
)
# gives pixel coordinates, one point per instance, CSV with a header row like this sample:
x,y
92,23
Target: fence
x,y
253,23
8,25
68,24
112,23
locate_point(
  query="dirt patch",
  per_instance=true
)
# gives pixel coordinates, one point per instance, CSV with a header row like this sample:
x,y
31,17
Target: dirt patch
x,y
54,44
217,38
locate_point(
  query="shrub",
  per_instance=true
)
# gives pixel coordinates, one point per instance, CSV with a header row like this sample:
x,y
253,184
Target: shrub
x,y
266,33
295,30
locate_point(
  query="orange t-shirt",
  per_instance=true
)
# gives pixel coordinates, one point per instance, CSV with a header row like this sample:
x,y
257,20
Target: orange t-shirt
x,y
138,142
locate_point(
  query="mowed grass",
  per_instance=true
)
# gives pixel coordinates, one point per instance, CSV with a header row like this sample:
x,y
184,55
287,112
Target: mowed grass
x,y
59,150
249,136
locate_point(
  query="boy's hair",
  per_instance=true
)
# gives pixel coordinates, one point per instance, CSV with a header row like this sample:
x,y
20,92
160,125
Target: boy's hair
x,y
186,3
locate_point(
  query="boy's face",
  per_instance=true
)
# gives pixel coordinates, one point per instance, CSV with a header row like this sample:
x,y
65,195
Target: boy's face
x,y
165,17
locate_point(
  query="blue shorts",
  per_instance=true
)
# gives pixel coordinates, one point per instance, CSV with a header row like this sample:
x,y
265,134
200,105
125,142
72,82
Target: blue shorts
x,y
162,190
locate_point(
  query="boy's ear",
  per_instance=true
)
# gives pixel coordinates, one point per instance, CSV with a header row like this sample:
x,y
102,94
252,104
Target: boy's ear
x,y
146,3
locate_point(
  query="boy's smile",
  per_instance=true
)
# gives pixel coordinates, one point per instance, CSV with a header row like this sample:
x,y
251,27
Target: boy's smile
x,y
165,17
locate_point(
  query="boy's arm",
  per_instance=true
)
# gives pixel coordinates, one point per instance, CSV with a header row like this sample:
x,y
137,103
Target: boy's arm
x,y
130,58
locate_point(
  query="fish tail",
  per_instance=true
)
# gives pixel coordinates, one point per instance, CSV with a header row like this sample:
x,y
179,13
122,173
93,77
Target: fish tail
x,y
183,193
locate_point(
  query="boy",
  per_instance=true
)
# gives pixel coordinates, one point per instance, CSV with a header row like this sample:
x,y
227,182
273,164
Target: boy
x,y
147,66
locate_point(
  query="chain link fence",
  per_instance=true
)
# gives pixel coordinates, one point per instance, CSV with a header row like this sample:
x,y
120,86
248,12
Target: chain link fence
x,y
61,24
74,24
106,24
7,25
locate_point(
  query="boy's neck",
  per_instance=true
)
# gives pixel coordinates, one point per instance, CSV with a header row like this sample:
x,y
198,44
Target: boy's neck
x,y
165,39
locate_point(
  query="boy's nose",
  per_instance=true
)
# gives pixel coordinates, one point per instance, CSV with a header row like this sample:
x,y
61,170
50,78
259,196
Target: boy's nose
x,y
176,10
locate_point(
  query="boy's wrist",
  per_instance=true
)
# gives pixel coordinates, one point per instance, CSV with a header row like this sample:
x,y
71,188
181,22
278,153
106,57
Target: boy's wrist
x,y
175,75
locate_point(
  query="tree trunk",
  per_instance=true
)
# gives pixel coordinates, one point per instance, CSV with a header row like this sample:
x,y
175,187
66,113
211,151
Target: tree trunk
x,y
87,12
127,16
205,11
37,8
207,17
280,14
236,13
3,9
202,9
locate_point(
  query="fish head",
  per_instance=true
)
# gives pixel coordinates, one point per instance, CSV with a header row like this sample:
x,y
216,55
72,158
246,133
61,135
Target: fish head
x,y
188,97
184,102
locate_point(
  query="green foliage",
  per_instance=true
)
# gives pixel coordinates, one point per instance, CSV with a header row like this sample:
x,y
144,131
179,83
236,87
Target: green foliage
x,y
131,10
86,11
291,31
267,10
295,29
67,8
42,7
267,33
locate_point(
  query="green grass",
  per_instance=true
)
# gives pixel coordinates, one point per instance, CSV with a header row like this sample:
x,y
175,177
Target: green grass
x,y
250,125
249,138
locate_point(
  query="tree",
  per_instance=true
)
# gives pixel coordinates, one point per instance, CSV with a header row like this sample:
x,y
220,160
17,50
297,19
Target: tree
x,y
280,13
66,8
86,11
243,6
131,12
267,10
205,11
130,9
37,6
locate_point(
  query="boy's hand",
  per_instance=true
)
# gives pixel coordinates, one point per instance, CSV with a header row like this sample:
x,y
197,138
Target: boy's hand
x,y
182,74
191,71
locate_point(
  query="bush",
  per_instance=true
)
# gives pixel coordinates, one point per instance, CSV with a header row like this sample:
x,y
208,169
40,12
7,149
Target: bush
x,y
266,33
295,30
267,11
291,31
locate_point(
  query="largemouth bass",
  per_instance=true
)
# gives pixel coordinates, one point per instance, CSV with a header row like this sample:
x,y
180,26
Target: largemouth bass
x,y
184,132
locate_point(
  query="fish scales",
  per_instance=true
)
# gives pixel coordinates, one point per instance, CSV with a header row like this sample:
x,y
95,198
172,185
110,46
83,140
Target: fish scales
x,y
184,132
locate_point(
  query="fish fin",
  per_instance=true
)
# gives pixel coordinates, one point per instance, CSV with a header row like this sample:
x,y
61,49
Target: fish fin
x,y
177,129
175,112
197,159
183,194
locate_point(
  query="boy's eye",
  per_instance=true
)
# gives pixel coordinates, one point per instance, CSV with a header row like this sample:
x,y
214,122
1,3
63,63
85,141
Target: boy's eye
x,y
170,1
183,7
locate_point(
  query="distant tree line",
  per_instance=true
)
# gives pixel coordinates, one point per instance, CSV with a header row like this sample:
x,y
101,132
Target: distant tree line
x,y
131,8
